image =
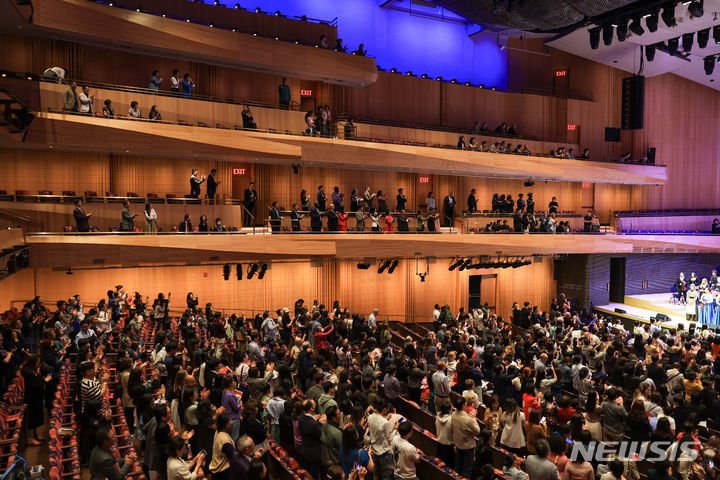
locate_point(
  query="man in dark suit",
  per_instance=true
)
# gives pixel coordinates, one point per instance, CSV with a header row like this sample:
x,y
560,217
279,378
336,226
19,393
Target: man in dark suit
x,y
128,219
212,185
241,461
332,221
275,217
295,217
321,198
315,218
448,210
524,317
310,430
195,183
402,222
401,200
103,464
472,202
185,226
249,199
81,218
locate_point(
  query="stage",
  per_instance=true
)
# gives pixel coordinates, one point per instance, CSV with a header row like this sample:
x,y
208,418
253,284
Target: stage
x,y
642,307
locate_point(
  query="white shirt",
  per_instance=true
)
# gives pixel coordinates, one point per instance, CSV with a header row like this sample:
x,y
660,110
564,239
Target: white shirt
x,y
372,321
379,434
85,102
174,83
152,216
436,315
406,457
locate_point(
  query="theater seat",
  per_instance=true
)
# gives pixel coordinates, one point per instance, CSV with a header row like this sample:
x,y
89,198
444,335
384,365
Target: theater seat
x,y
152,195
69,193
132,194
170,195
45,192
90,194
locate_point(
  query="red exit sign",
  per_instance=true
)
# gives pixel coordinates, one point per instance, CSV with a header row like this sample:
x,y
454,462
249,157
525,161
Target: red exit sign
x,y
561,73
306,93
238,171
586,184
571,127
424,179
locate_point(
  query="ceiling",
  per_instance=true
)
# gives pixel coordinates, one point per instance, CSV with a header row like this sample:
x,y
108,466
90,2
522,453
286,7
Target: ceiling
x,y
627,55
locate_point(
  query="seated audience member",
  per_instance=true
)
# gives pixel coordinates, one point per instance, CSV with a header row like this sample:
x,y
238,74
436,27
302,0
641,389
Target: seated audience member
x,y
155,81
483,146
716,226
512,130
219,227
484,127
585,154
473,144
185,226
103,463
134,111
154,113
360,50
248,121
571,153
323,42
339,47
502,128
108,110
461,143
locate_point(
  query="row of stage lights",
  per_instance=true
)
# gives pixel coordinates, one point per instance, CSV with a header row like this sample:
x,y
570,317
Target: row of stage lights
x,y
252,269
212,24
390,265
454,81
633,25
467,263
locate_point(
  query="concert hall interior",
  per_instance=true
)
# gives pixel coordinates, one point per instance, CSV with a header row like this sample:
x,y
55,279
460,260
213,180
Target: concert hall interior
x,y
397,239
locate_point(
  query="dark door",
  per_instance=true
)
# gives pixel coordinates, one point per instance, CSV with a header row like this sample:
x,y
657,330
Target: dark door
x,y
481,291
617,280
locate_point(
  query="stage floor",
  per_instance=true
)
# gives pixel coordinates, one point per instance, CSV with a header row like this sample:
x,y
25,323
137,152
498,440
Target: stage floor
x,y
642,307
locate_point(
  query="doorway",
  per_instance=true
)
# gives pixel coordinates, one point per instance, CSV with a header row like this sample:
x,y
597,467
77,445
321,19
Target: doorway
x,y
617,280
482,291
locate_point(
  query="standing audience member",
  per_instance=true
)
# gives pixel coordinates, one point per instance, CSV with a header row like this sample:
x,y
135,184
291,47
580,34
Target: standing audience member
x,y
465,428
81,217
249,200
187,86
195,183
404,453
103,464
174,82
86,100
70,98
284,94
155,81
212,185
128,219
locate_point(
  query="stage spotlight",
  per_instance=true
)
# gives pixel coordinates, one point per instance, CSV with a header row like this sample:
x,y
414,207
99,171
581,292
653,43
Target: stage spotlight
x,y
258,10
687,41
384,266
668,14
164,14
297,42
636,27
439,79
716,33
237,6
212,24
516,264
263,269
277,37
424,75
709,65
217,3
505,264
456,264
422,276
703,37
651,21
69,270
494,89
481,86
226,271
393,266
622,29
255,34
650,52
188,19
673,45
468,84
138,9
607,31
453,81
238,270
252,268
393,70
696,8
363,266
235,29
277,13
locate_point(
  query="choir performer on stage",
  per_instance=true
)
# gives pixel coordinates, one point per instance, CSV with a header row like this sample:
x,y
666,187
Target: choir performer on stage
x,y
681,285
691,304
706,307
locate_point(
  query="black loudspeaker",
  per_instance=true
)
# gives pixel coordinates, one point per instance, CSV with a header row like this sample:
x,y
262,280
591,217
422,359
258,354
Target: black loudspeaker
x,y
633,101
661,317
612,134
651,156
620,310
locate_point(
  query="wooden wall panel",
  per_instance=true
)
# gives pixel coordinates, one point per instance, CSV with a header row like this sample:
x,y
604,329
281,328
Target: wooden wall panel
x,y
18,288
35,170
399,294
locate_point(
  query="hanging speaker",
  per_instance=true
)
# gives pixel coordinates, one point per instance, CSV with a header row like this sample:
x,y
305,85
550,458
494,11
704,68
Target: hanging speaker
x,y
633,101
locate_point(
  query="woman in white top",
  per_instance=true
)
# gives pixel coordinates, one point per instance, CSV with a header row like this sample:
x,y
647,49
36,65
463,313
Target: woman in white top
x,y
177,468
512,422
150,219
103,318
134,111
691,305
374,220
86,100
174,82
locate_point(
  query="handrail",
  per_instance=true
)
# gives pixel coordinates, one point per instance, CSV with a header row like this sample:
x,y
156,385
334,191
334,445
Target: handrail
x,y
251,216
294,105
20,198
